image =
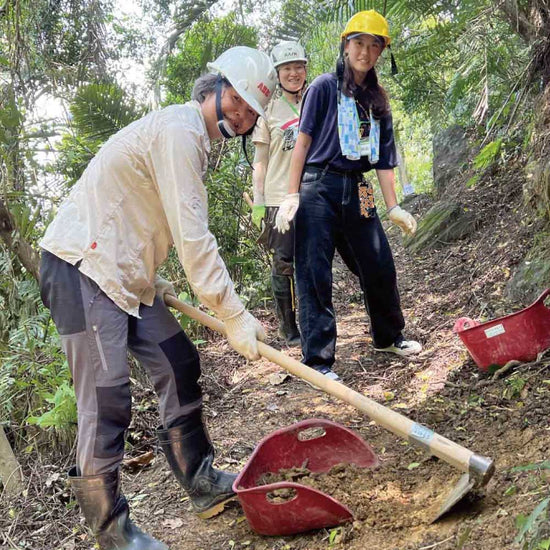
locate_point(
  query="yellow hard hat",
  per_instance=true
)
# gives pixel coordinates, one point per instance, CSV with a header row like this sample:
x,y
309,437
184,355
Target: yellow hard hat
x,y
368,22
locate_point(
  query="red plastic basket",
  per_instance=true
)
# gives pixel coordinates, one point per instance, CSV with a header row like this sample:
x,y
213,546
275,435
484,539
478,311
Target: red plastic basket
x,y
316,444
520,336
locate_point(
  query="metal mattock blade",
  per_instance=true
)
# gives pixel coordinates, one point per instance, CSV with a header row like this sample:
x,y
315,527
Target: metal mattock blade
x,y
464,485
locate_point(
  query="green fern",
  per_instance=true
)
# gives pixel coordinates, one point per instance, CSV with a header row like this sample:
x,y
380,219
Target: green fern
x,y
98,111
63,414
529,526
488,155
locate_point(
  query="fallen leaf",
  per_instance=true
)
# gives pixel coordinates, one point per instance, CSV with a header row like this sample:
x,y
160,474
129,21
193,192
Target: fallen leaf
x,y
139,462
277,378
174,523
52,478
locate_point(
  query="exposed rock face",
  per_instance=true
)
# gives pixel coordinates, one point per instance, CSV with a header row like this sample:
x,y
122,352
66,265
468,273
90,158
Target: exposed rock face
x,y
445,222
532,275
451,153
448,220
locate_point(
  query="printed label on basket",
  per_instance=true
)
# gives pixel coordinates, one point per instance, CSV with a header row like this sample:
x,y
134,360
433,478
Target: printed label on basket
x,y
494,331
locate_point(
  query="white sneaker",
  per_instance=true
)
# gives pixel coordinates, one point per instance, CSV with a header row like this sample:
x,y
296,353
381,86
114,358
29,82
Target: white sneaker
x,y
404,348
331,375
325,371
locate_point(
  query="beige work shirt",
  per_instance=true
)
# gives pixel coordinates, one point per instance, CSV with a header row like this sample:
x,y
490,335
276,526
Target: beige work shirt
x,y
279,132
142,193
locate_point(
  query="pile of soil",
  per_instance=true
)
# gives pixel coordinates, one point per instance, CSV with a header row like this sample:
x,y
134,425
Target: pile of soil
x,y
374,496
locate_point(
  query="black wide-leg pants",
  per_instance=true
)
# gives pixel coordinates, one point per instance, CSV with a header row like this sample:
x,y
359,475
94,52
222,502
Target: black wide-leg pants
x,y
328,219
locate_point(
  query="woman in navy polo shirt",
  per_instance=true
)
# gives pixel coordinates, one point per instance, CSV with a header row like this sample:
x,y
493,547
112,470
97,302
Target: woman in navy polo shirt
x,y
345,130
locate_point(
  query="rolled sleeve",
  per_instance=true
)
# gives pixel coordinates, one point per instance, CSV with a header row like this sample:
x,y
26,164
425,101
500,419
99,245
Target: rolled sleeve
x,y
261,132
177,156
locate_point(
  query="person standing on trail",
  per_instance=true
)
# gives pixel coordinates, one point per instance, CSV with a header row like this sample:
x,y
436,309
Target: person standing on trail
x,y
346,130
274,139
141,194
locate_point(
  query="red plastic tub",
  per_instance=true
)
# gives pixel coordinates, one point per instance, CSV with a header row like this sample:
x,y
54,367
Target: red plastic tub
x,y
314,444
520,336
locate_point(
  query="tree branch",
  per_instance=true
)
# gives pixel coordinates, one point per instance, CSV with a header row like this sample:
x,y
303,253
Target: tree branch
x,y
10,470
15,243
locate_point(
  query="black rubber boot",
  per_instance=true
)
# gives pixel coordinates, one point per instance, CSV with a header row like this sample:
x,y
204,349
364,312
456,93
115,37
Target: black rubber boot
x,y
107,513
283,291
190,454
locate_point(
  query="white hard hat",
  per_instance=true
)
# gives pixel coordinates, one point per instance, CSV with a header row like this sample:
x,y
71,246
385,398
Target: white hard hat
x,y
286,52
250,72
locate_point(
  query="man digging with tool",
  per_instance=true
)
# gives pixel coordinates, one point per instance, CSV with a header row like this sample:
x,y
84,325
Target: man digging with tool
x,y
142,193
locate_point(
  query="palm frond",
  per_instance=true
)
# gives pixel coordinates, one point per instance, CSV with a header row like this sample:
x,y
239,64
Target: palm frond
x,y
6,395
100,110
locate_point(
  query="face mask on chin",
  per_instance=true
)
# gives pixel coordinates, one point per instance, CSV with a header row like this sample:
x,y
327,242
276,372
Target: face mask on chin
x,y
226,129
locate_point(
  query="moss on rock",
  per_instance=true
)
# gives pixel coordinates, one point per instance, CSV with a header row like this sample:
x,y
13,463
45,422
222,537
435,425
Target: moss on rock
x,y
445,222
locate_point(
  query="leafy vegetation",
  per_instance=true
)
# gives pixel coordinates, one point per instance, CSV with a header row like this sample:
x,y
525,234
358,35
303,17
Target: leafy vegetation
x,y
204,41
533,529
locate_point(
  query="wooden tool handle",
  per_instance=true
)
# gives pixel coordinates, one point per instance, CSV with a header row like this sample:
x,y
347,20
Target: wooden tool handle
x,y
431,442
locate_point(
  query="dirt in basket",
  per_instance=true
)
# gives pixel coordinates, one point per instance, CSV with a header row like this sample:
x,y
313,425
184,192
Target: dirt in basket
x,y
379,496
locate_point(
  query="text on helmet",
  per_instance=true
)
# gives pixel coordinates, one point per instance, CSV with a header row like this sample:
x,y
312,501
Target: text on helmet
x,y
264,89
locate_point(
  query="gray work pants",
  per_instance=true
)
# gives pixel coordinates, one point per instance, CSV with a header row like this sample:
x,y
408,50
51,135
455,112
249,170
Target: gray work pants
x,y
96,336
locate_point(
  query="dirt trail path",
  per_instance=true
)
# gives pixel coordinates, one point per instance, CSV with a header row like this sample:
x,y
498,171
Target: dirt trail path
x,y
506,419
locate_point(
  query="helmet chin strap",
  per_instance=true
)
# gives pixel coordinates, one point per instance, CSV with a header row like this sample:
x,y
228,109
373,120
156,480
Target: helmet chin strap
x,y
223,126
289,91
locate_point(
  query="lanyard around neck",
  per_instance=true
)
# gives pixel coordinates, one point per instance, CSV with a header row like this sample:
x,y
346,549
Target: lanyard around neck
x,y
365,112
294,110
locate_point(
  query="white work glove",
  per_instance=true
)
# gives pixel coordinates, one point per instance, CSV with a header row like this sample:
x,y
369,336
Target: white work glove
x,y
286,212
162,287
402,219
243,331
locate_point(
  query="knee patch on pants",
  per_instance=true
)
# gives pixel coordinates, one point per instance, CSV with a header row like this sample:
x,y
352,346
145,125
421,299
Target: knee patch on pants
x,y
282,266
184,360
114,406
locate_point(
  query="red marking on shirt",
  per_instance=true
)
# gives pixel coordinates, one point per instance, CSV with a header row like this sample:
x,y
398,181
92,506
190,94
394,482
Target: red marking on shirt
x,y
290,123
93,246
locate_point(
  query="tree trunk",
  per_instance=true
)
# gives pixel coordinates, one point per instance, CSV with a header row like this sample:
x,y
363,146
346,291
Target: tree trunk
x,y
15,243
518,20
10,471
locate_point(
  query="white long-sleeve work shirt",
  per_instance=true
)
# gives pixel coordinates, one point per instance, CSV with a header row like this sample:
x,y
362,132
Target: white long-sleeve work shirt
x,y
142,193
